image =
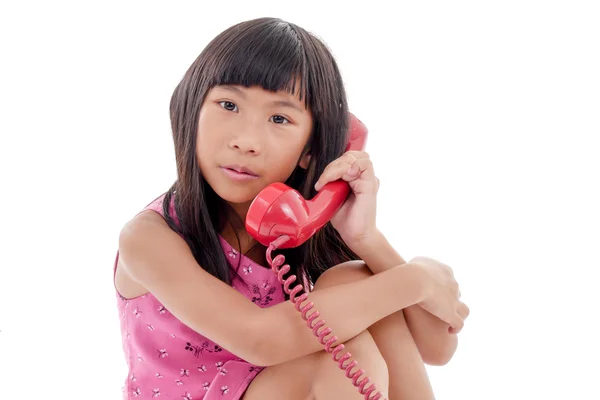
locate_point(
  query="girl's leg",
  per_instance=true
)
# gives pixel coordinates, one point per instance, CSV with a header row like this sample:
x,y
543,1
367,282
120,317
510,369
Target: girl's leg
x,y
407,373
317,376
290,380
332,382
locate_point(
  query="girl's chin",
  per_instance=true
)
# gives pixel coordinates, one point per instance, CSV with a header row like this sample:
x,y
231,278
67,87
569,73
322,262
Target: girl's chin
x,y
237,197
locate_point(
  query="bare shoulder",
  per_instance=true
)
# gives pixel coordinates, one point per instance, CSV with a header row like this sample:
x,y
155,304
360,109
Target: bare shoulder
x,y
148,237
141,223
145,229
147,222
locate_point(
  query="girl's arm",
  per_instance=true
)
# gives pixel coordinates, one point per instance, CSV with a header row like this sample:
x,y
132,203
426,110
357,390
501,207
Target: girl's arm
x,y
160,260
432,337
347,309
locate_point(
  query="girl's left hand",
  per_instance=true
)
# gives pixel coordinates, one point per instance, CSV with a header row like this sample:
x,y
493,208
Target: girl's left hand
x,y
355,220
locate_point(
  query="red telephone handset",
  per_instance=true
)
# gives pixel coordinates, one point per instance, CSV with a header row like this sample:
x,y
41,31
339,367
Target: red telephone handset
x,y
280,210
279,217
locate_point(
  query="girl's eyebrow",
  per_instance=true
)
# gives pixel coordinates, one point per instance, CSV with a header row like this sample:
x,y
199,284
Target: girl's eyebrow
x,y
234,89
285,103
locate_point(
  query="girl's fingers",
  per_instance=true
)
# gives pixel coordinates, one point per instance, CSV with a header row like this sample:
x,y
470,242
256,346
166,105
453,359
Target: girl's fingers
x,y
347,167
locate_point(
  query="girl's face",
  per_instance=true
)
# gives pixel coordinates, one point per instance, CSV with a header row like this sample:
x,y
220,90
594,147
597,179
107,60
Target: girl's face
x,y
249,138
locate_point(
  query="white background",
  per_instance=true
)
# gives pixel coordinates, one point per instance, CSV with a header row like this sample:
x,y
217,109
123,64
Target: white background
x,y
483,116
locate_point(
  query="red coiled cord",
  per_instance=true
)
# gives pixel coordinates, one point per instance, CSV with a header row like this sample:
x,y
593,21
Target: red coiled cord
x,y
297,301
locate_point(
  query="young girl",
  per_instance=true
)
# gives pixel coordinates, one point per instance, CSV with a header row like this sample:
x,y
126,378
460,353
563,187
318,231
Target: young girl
x,y
202,315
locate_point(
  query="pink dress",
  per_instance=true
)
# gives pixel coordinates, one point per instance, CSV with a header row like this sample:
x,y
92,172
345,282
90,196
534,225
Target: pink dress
x,y
169,360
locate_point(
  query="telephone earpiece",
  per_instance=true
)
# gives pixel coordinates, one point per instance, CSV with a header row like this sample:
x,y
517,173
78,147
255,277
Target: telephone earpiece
x,y
280,210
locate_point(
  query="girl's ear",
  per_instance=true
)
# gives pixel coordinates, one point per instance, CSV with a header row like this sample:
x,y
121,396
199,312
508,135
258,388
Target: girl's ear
x,y
304,161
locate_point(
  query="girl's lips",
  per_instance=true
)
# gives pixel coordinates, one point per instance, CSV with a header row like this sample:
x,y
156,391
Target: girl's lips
x,y
237,175
240,169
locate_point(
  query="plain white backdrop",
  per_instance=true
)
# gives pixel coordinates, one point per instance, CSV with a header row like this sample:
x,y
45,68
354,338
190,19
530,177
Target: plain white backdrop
x,y
483,116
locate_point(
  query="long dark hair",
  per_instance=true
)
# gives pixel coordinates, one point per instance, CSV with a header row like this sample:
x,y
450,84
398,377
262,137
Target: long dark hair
x,y
275,55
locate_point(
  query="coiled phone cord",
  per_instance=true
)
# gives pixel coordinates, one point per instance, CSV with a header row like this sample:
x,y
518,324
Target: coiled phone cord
x,y
297,301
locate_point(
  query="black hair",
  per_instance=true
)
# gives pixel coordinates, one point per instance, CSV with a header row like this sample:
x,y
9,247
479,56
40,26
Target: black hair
x,y
275,55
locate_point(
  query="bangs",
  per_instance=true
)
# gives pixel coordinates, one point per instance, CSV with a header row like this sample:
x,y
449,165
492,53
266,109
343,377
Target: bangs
x,y
270,58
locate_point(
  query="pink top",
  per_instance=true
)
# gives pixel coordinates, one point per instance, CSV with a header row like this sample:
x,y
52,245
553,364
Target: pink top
x,y
168,359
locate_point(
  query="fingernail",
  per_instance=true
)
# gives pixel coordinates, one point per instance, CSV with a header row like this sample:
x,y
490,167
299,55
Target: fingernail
x,y
353,170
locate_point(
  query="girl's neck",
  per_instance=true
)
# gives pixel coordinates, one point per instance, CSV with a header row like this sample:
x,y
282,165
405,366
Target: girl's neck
x,y
235,234
239,239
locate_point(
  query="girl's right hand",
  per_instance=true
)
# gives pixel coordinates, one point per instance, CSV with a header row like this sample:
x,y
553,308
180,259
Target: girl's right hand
x,y
442,295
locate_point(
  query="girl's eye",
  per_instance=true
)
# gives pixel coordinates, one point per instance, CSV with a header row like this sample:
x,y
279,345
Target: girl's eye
x,y
278,119
228,105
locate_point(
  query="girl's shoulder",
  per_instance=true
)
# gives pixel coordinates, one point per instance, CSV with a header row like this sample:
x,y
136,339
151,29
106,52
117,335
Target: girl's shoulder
x,y
157,206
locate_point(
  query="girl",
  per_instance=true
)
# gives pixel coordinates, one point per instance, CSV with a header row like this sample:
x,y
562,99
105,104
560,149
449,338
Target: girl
x,y
202,315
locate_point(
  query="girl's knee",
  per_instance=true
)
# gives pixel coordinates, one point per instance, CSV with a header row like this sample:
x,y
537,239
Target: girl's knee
x,y
350,271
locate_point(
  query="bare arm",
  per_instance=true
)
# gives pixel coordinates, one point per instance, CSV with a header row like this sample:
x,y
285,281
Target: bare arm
x,y
347,309
435,343
161,261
